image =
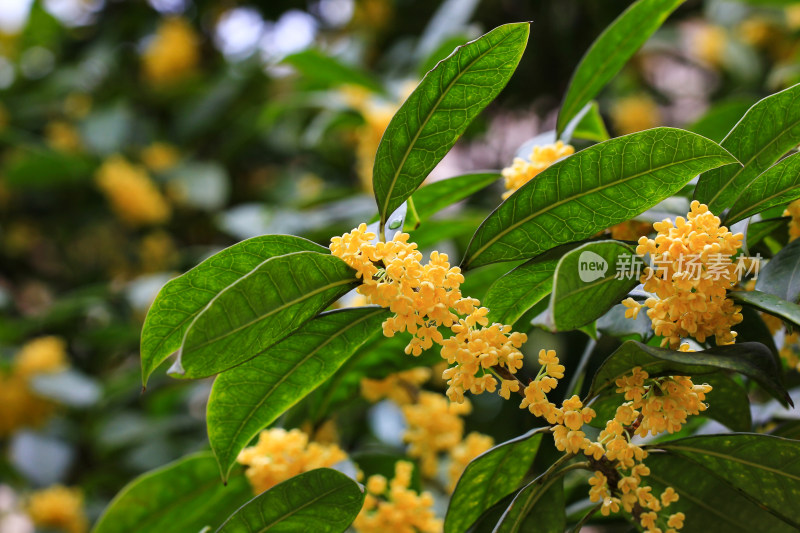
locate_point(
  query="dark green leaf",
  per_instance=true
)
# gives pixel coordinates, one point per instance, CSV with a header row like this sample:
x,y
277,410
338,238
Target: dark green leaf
x,y
38,168
741,482
183,298
769,304
315,65
609,53
435,115
720,119
251,396
432,198
598,272
728,403
263,307
756,231
766,132
751,359
777,185
538,507
181,497
490,477
781,276
594,189
322,500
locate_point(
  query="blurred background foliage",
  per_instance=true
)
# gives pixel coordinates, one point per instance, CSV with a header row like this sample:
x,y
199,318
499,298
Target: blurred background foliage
x,y
138,137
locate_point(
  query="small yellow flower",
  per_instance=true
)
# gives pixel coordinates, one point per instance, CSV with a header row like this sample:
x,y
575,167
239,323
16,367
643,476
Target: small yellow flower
x,y
59,508
173,52
133,195
635,113
160,156
461,455
522,171
62,136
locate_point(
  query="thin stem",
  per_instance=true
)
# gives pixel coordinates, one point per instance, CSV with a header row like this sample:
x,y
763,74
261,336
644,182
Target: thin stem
x,y
413,210
584,465
504,373
586,518
575,382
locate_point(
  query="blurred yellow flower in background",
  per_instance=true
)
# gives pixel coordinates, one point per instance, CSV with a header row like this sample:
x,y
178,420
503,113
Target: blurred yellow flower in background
x,y
77,105
635,113
173,53
62,136
794,225
708,43
45,354
160,156
133,195
58,508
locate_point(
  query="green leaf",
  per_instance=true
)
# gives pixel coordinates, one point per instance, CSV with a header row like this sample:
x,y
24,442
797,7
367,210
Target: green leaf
x,y
38,168
490,477
751,359
766,132
322,500
183,298
777,185
728,403
598,272
538,507
439,110
317,66
739,482
432,198
603,185
720,118
609,53
757,231
781,276
263,307
251,396
517,291
769,303
181,497
591,126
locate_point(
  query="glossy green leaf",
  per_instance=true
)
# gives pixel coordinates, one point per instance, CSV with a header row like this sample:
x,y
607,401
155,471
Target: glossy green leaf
x,y
777,185
263,307
181,497
435,115
751,359
432,198
757,231
538,507
603,185
601,273
769,303
490,477
728,403
315,65
322,500
734,482
591,126
251,396
517,291
183,298
609,53
781,275
721,118
766,132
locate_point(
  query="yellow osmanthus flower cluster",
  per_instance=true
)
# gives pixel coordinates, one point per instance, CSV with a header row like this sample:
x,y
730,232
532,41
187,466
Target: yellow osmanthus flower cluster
x,y
630,230
635,113
522,171
173,53
693,271
793,210
279,455
58,508
21,406
400,387
393,506
426,297
160,156
133,195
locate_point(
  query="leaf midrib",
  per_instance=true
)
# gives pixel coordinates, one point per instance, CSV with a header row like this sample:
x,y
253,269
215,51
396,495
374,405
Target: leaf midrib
x,y
731,458
435,107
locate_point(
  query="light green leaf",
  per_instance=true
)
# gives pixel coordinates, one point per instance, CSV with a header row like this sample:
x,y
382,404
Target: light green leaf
x,y
181,497
609,53
322,500
251,396
514,293
766,132
603,185
738,482
598,272
751,359
490,477
781,276
432,198
183,298
777,185
317,66
538,507
591,126
435,115
263,307
769,303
